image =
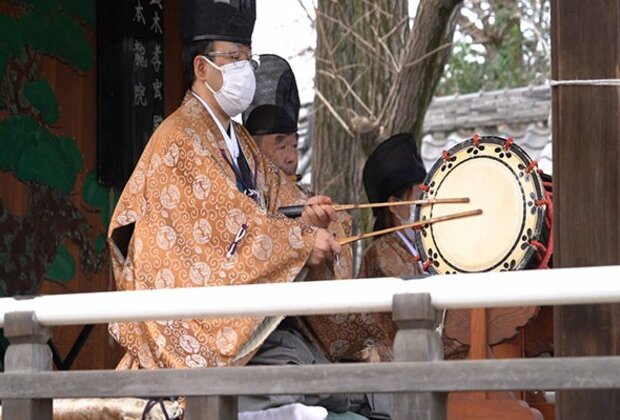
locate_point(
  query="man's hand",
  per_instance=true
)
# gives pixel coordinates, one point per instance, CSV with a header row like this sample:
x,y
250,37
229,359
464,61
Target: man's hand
x,y
319,212
324,248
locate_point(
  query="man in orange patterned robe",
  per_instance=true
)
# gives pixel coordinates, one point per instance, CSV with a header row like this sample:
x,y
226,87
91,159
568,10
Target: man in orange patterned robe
x,y
200,207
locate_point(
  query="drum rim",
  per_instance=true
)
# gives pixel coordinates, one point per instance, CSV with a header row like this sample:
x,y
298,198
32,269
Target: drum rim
x,y
538,186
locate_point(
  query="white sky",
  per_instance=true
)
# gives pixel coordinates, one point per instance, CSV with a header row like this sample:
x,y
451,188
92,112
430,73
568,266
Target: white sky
x,y
283,28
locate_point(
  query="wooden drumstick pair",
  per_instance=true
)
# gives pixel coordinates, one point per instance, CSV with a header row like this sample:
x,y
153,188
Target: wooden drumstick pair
x,y
295,211
415,225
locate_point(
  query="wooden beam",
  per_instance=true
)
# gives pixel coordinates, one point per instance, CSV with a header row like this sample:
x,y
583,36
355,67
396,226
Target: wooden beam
x,y
586,148
28,352
439,376
416,340
211,407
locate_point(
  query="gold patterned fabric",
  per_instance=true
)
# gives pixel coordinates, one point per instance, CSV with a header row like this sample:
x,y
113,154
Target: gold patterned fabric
x,y
388,256
365,337
186,210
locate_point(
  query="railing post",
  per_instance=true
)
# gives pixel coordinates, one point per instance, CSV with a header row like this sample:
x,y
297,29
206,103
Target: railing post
x,y
28,352
211,407
417,341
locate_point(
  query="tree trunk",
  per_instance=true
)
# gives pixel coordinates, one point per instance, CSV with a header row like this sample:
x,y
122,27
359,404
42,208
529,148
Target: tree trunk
x,y
374,78
426,54
355,40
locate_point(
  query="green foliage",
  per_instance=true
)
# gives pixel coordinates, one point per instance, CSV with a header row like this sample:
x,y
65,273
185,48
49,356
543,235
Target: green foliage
x,y
51,27
10,39
3,59
463,74
34,153
100,243
10,44
470,70
98,197
83,10
58,35
42,6
70,154
62,269
502,44
27,148
94,195
40,95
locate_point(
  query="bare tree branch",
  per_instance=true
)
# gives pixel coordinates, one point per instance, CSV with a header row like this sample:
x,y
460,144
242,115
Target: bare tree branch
x,y
348,30
349,89
305,9
331,109
428,55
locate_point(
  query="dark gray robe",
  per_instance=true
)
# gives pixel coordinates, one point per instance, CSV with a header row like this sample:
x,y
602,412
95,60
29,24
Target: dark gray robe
x,y
285,346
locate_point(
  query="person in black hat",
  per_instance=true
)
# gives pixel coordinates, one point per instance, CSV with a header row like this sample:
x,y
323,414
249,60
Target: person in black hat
x,y
200,208
393,172
219,73
272,116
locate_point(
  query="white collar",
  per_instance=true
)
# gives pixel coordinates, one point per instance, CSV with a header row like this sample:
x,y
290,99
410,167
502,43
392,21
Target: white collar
x,y
411,249
231,140
408,243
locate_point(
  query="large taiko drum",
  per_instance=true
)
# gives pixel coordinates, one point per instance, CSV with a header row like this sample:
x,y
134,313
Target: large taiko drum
x,y
502,180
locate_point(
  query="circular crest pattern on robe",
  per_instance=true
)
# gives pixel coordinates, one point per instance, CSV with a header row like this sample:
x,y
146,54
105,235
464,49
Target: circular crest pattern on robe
x,y
187,210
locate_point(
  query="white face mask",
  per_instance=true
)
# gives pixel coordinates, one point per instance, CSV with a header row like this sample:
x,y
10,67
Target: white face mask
x,y
237,89
409,220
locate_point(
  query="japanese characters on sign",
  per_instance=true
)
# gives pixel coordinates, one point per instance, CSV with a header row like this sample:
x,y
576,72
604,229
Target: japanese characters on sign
x,y
130,88
148,56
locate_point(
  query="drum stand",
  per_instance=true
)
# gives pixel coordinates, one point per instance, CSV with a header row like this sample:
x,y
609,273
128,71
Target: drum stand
x,y
482,328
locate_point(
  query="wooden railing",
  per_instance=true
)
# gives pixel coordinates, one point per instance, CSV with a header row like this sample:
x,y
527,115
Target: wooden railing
x,y
418,378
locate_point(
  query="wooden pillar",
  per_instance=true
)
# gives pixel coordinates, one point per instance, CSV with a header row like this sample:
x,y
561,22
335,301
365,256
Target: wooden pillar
x,y
586,169
417,341
28,352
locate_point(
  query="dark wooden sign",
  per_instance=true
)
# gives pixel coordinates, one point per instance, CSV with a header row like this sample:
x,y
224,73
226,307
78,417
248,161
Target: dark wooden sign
x,y
130,77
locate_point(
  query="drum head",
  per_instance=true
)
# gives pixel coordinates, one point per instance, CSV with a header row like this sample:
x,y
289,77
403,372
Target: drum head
x,y
497,180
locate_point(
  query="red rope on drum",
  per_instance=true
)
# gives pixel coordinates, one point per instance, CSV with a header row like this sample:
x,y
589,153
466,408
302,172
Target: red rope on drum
x,y
532,165
424,187
538,245
508,143
476,140
541,202
544,263
544,253
446,156
427,264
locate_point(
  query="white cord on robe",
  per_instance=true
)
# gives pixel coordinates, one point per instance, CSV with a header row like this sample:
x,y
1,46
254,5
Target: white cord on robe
x,y
586,82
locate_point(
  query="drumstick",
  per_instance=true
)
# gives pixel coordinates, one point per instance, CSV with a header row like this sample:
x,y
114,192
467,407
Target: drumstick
x,y
342,207
416,225
295,211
